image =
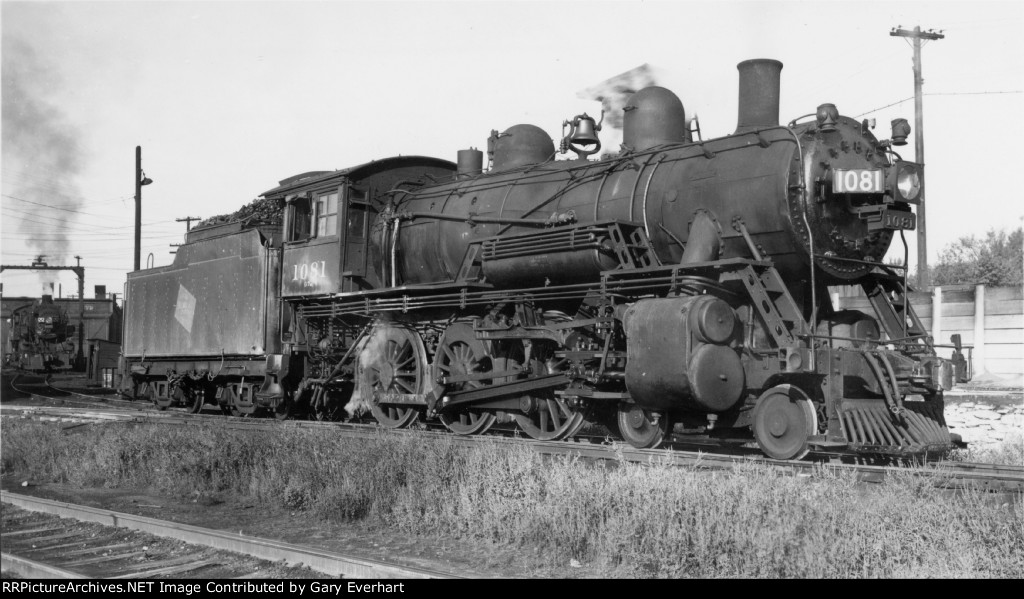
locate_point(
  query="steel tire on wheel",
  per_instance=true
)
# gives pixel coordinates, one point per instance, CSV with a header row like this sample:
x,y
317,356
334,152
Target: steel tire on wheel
x,y
784,420
461,353
641,428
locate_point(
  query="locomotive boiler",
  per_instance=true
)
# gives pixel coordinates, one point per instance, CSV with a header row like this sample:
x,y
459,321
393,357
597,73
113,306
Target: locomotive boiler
x,y
678,287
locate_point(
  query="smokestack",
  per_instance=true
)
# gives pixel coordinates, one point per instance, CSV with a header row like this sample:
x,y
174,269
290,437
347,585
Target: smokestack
x,y
101,291
759,94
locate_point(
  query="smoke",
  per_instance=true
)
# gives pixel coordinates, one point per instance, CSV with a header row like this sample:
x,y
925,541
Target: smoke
x,y
613,94
371,351
41,154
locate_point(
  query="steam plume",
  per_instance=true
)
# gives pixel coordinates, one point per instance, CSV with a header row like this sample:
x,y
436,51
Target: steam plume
x,y
41,154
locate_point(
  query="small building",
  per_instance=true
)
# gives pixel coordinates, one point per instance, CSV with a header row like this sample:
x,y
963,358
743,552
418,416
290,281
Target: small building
x,y
102,361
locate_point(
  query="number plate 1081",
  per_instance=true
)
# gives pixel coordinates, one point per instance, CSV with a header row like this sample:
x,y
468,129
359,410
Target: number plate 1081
x,y
857,181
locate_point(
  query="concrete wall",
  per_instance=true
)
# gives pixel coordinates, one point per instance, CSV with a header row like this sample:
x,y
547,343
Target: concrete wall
x,y
989,318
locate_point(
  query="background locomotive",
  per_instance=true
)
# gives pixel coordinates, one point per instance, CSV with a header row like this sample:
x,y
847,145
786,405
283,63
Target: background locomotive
x,y
679,286
40,337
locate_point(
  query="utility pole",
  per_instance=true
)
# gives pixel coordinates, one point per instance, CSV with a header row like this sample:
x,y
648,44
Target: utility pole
x,y
922,244
188,221
138,207
140,180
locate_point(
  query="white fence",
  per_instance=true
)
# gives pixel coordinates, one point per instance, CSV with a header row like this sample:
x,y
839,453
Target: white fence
x,y
989,318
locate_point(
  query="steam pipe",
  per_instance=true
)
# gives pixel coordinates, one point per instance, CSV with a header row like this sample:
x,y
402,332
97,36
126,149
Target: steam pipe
x,y
702,245
394,252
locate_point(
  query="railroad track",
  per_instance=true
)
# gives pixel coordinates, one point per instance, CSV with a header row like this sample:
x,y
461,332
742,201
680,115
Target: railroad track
x,y
51,539
35,391
943,474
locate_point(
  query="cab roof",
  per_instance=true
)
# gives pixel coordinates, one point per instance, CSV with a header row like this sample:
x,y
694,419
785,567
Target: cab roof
x,y
315,178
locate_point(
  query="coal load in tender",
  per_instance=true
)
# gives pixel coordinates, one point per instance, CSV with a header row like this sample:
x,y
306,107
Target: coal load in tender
x,y
260,210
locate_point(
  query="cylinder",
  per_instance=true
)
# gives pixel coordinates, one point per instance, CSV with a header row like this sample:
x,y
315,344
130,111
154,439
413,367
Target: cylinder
x,y
470,163
759,94
670,366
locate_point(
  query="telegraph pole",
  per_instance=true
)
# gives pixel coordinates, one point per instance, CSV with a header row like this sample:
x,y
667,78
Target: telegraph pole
x,y
140,180
922,245
188,221
138,207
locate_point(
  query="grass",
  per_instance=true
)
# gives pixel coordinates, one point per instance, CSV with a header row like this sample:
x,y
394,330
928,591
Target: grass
x,y
1010,452
637,521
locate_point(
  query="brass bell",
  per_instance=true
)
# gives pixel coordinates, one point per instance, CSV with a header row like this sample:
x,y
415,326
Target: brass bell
x,y
584,132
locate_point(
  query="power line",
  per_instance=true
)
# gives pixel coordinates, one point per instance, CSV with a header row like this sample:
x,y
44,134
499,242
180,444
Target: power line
x,y
49,206
884,107
974,93
941,94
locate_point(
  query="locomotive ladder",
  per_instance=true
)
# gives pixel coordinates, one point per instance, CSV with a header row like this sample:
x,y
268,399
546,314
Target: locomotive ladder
x,y
889,299
771,298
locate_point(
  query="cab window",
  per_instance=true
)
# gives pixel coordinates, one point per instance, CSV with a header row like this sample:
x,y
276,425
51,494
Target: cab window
x,y
327,215
299,217
356,221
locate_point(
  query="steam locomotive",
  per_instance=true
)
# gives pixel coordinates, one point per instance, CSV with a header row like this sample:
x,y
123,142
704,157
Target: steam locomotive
x,y
678,288
40,339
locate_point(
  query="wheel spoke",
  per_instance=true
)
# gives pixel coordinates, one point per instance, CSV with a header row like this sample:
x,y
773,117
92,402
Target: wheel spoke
x,y
553,410
401,359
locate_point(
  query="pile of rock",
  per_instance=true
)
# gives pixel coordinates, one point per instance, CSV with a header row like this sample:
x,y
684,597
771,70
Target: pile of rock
x,y
985,419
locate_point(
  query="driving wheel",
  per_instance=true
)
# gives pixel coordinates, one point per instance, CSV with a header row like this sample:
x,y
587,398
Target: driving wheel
x,y
392,366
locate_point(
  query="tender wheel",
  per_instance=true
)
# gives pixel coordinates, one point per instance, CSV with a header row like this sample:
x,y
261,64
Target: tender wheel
x,y
394,364
460,353
784,419
153,392
226,401
641,428
243,407
196,398
285,410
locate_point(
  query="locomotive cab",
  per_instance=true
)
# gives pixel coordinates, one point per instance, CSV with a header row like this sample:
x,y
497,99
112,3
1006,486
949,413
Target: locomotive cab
x,y
330,217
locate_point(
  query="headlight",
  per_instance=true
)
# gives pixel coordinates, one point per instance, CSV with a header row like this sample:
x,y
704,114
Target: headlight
x,y
907,182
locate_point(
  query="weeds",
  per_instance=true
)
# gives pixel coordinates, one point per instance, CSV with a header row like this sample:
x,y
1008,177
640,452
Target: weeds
x,y
634,520
1009,453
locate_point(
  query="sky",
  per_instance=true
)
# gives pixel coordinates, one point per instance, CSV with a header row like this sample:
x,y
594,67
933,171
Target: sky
x,y
228,98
